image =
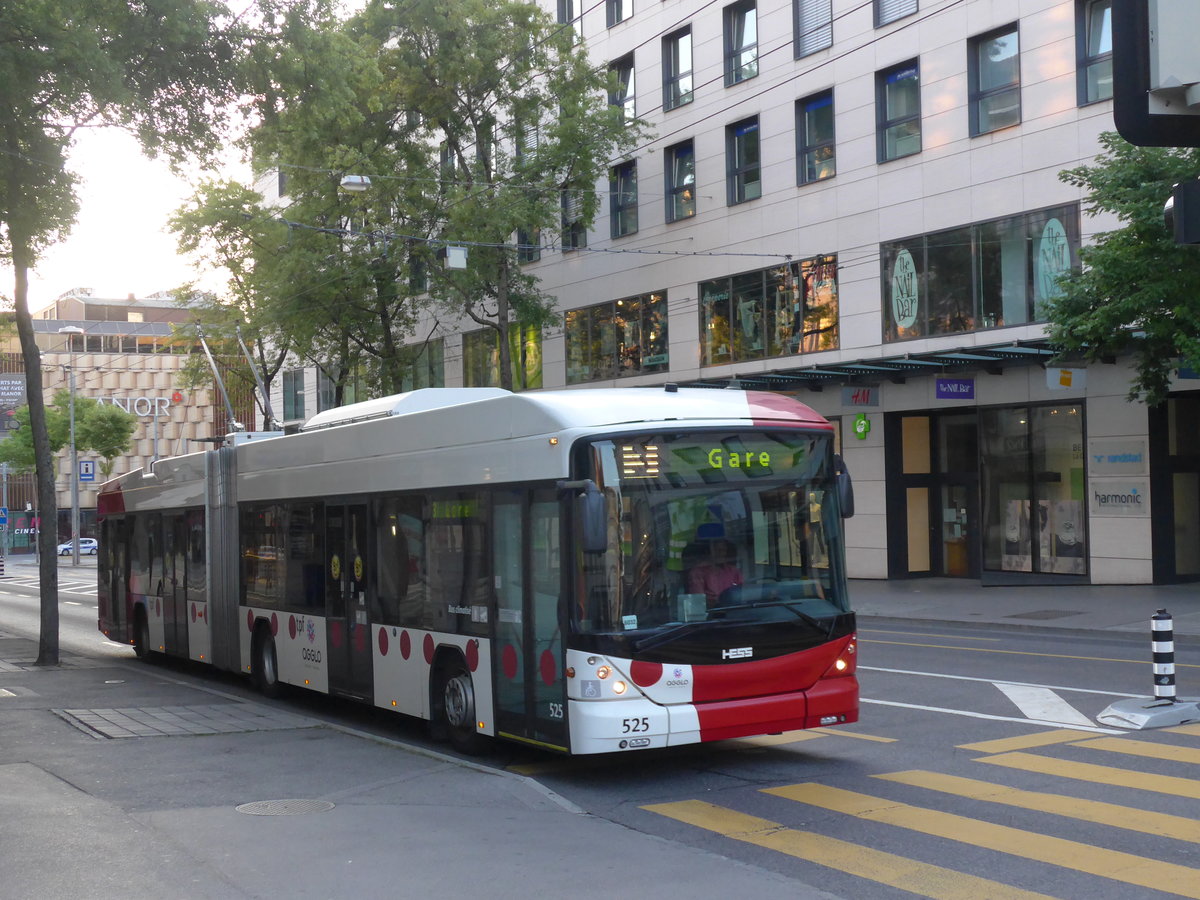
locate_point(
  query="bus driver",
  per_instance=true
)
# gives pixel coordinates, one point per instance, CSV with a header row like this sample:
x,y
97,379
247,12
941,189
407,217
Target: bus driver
x,y
718,573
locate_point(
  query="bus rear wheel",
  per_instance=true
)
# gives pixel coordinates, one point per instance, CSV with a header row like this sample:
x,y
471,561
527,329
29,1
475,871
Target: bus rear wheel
x,y
264,664
458,709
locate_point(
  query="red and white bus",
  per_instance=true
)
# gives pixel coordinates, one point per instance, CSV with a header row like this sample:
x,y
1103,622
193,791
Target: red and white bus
x,y
543,567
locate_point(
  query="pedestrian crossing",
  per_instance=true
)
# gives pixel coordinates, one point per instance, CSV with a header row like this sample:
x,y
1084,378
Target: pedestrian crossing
x,y
70,586
1033,815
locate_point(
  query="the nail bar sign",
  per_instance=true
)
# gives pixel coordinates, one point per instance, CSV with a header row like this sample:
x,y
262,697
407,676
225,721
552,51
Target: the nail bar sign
x,y
955,389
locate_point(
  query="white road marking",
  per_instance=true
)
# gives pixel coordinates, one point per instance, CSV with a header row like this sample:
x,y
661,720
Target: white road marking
x,y
978,715
1043,703
1052,687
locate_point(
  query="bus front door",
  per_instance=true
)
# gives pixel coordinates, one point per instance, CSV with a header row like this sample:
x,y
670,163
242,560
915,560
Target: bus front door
x,y
531,693
347,625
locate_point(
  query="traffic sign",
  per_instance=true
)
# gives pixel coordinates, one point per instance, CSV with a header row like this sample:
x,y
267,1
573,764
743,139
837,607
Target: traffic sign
x,y
87,470
3,515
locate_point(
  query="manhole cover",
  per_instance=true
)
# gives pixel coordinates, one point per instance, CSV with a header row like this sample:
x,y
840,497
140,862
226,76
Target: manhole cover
x,y
284,807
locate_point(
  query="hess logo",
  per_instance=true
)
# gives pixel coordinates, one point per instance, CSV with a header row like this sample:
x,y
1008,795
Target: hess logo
x,y
737,653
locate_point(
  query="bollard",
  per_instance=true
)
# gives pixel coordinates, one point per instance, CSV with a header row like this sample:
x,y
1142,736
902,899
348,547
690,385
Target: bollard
x,y
1162,646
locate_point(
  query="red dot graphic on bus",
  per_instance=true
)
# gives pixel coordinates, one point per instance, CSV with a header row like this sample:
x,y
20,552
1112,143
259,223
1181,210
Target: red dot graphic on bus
x,y
472,655
274,624
250,620
292,627
548,667
645,674
509,658
405,645
383,642
428,648
335,634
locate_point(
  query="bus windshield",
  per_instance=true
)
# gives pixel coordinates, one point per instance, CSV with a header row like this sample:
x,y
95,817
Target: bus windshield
x,y
713,527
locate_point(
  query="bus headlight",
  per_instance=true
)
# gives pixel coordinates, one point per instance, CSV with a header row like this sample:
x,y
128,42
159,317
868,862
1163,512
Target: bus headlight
x,y
618,687
603,672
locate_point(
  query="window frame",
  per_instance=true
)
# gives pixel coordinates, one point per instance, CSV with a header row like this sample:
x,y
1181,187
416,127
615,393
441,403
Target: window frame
x,y
737,72
623,204
614,11
673,75
805,146
627,97
675,190
574,231
811,37
293,394
737,147
889,11
976,95
883,123
1085,60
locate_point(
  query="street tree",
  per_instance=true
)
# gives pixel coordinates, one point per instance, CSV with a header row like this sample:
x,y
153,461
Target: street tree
x,y
517,130
102,428
164,70
1137,292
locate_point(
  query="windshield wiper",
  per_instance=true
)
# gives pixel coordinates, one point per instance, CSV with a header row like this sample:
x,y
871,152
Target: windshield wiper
x,y
665,637
786,604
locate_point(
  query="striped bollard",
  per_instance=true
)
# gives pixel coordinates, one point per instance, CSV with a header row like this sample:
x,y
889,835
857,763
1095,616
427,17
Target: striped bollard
x,y
1162,645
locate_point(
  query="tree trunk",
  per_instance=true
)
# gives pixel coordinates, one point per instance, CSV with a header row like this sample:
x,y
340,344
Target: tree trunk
x,y
47,536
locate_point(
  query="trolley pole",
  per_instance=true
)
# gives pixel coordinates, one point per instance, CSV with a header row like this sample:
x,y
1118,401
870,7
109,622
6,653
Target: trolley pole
x,y
1164,709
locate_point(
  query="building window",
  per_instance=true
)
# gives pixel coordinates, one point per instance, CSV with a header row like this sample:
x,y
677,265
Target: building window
x,y
326,392
481,357
677,69
293,394
623,199
995,80
566,12
898,105
613,340
574,231
1094,30
426,365
681,182
621,81
529,245
888,11
988,275
815,155
780,311
418,274
744,164
741,42
618,11
812,25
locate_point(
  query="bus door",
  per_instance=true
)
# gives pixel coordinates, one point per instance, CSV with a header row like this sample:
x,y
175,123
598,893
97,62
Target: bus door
x,y
531,693
347,625
174,589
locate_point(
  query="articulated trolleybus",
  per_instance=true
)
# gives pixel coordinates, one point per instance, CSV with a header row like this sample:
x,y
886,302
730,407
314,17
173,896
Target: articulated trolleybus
x,y
588,570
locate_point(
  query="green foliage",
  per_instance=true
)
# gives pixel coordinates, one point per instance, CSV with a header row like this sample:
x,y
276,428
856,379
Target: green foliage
x,y
1138,291
100,427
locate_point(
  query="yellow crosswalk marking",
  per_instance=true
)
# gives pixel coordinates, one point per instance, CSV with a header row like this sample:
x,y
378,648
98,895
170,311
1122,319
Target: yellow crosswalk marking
x,y
1115,865
1027,741
774,740
875,865
1110,775
857,735
1130,747
1193,729
1159,824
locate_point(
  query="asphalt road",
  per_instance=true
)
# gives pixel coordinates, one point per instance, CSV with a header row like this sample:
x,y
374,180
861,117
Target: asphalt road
x,y
977,770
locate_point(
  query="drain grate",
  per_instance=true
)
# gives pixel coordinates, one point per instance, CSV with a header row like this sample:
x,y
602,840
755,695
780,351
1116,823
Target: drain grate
x,y
284,807
1045,614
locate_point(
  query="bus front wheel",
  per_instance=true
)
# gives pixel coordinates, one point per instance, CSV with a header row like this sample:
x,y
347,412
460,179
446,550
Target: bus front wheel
x,y
458,709
264,664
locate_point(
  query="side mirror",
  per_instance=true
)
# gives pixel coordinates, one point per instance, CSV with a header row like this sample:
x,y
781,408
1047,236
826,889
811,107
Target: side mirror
x,y
591,511
845,487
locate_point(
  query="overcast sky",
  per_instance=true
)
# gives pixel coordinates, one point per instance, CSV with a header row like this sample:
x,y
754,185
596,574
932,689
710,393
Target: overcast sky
x,y
119,245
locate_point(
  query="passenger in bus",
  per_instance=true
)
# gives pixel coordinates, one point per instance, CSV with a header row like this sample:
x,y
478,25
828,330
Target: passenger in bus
x,y
717,573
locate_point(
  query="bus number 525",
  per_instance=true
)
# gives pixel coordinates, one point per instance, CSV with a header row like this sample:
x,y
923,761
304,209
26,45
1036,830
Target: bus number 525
x,y
635,726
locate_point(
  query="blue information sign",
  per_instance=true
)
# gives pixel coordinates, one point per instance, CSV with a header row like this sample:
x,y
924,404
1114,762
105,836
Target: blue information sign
x,y
87,470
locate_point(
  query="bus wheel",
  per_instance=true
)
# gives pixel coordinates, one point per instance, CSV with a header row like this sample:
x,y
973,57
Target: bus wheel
x,y
458,709
264,665
141,635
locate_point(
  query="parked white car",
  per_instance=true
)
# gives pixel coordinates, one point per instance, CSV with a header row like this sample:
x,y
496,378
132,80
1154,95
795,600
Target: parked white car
x,y
87,547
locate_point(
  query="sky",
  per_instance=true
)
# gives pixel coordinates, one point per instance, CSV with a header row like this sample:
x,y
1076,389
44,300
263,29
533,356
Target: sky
x,y
120,244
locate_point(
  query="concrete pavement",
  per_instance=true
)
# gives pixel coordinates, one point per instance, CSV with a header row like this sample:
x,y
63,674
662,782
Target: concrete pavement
x,y
118,779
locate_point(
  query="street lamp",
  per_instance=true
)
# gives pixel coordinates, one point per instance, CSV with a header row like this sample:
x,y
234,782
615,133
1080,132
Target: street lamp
x,y
69,330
